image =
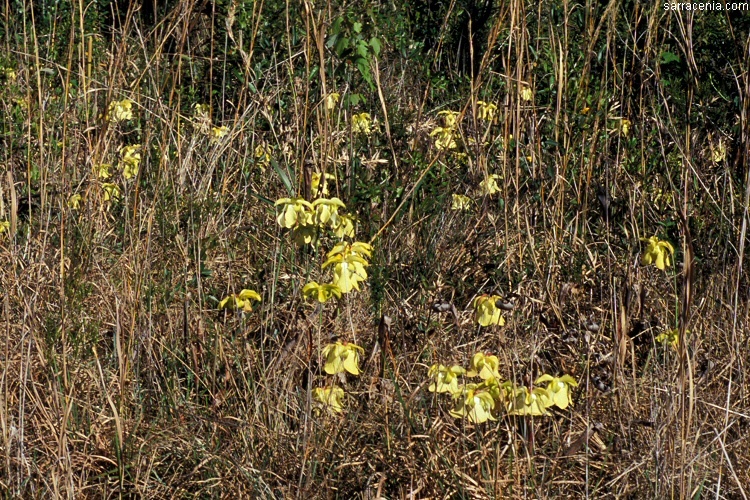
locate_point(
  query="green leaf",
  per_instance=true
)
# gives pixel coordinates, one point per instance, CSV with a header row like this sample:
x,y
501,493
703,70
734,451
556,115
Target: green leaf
x,y
336,26
354,99
206,272
342,44
363,49
668,57
284,177
357,27
261,197
332,40
364,68
376,46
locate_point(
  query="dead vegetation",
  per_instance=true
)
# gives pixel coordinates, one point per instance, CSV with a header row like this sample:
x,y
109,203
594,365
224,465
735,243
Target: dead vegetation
x,y
121,377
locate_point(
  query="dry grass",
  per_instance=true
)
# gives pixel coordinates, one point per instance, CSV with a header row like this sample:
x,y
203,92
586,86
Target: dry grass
x,y
119,376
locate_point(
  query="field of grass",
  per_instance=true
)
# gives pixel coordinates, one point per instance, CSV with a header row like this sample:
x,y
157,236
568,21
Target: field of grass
x,y
573,175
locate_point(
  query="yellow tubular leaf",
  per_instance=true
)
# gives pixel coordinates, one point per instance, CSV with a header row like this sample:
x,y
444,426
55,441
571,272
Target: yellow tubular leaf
x,y
561,397
351,361
249,294
660,260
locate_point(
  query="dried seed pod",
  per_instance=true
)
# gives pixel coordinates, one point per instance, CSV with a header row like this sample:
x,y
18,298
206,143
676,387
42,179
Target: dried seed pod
x,y
604,202
505,304
592,326
441,306
600,384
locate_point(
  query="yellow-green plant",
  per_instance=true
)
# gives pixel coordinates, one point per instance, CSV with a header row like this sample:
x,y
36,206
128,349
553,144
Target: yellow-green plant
x,y
201,110
662,199
218,133
659,252
485,366
487,313
343,226
321,293
483,401
445,378
317,177
111,191
476,403
500,391
671,337
304,234
489,186
262,156
486,111
102,170
331,100
240,301
341,357
450,118
349,262
120,111
293,212
558,389
361,123
74,201
460,202
719,152
305,219
331,397
525,402
444,138
130,159
625,126
8,72
326,210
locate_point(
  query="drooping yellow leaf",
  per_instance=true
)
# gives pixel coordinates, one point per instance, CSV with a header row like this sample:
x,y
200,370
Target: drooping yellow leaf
x,y
485,366
362,248
331,100
344,226
445,379
557,390
74,201
657,252
345,278
342,357
242,300
119,111
486,111
487,313
331,397
524,402
246,294
460,202
489,186
475,403
361,123
351,363
111,191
